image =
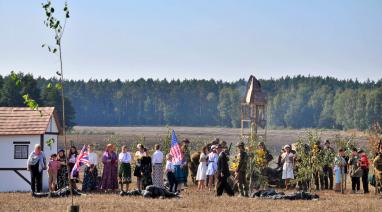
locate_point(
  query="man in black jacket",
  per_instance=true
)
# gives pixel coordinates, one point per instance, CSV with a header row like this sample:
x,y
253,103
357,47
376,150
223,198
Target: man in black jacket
x,y
223,173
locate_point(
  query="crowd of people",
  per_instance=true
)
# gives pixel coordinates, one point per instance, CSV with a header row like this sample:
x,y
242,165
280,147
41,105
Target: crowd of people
x,y
117,169
213,171
335,167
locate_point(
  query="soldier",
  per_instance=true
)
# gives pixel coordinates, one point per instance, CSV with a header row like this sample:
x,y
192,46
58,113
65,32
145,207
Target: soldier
x,y
318,177
186,158
327,169
241,170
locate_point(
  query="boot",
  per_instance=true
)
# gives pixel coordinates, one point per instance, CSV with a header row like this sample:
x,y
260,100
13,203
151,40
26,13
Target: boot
x,y
246,194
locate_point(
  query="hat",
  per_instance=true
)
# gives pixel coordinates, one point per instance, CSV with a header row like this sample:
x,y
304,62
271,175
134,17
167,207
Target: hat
x,y
240,144
286,146
213,147
219,146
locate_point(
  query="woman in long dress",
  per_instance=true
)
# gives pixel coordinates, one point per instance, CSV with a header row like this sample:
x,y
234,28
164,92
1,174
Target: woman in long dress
x,y
212,166
287,159
180,175
110,169
138,159
72,157
201,175
339,169
91,172
157,163
146,169
62,174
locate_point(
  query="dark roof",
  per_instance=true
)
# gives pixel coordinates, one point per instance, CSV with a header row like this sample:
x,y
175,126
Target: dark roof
x,y
254,94
26,121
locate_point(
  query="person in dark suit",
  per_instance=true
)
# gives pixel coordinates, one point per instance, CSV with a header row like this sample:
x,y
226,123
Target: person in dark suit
x,y
223,173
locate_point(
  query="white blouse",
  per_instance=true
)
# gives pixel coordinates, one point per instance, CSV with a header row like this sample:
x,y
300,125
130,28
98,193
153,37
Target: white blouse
x,y
93,158
72,158
157,157
124,157
169,167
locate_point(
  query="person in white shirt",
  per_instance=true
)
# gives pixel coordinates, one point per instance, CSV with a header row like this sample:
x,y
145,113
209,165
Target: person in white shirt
x,y
157,163
91,173
288,161
170,173
124,173
201,175
212,166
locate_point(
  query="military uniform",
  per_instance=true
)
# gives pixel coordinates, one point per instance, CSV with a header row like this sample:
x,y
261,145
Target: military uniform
x,y
327,169
241,172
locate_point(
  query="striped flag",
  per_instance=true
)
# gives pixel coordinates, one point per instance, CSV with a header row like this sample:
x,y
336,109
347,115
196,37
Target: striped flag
x,y
82,159
175,149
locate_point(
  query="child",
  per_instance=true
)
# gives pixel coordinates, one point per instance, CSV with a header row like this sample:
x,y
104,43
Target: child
x,y
170,174
124,173
355,171
53,167
364,163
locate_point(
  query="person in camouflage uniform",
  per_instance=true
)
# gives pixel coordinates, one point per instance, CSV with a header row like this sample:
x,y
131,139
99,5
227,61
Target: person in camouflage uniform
x,y
241,170
327,169
186,158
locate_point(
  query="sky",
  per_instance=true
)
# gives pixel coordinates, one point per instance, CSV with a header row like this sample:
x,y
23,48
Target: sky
x,y
199,39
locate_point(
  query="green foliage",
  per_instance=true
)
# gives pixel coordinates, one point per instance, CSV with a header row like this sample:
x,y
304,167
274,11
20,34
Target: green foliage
x,y
256,163
166,142
18,90
50,142
31,103
229,107
53,23
299,102
347,143
310,159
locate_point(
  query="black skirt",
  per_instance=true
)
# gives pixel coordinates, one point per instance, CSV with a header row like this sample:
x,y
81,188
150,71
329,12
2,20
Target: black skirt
x,y
138,169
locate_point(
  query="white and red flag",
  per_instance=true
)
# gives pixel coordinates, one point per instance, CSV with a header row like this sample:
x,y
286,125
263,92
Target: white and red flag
x,y
175,151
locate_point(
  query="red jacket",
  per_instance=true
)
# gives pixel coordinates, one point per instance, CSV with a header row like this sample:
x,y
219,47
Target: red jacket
x,y
364,162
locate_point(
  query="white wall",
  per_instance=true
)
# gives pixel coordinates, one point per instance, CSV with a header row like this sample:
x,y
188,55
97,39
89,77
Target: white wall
x,y
9,180
52,127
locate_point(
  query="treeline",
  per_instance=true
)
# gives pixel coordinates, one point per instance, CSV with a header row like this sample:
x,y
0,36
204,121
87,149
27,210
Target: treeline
x,y
293,102
11,92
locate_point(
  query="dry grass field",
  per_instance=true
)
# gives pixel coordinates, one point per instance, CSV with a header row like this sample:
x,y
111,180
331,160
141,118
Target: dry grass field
x,y
129,135
191,200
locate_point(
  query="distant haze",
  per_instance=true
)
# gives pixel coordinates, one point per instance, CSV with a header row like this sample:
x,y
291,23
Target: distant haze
x,y
220,39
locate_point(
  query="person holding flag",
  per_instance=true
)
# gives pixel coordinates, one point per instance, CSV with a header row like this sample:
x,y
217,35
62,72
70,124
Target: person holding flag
x,y
91,172
81,159
177,159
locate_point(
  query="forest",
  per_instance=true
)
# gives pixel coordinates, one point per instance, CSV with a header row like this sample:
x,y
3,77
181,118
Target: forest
x,y
293,102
